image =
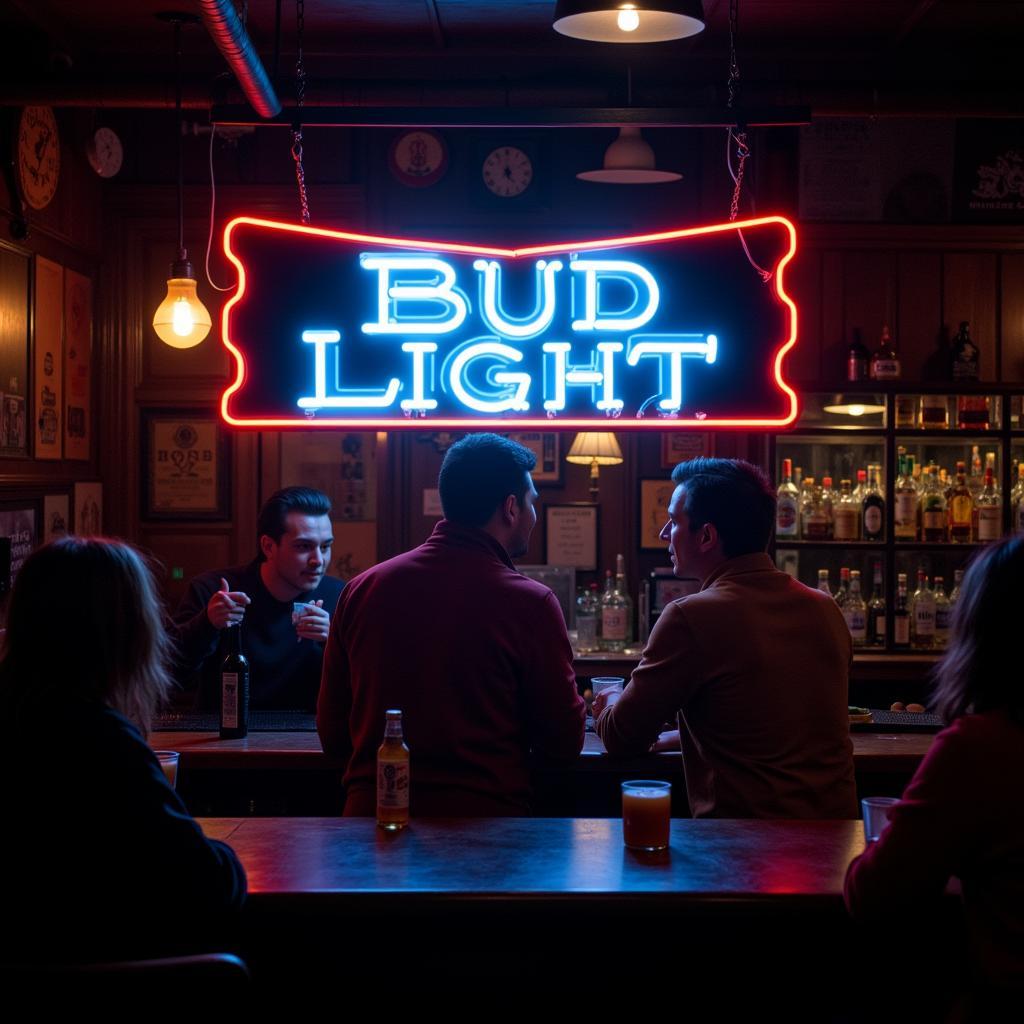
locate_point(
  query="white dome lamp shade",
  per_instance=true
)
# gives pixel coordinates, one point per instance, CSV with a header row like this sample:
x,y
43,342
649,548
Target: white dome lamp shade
x,y
629,21
629,160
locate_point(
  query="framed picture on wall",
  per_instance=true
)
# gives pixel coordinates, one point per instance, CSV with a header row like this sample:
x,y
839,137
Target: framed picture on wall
x,y
15,282
56,517
682,445
547,446
19,526
186,472
77,366
48,359
88,508
570,535
654,498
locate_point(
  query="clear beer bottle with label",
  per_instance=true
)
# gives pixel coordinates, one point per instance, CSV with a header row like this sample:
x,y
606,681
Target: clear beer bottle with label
x,y
393,776
234,688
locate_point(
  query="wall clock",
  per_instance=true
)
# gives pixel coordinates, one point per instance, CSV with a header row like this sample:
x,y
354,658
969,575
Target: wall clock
x,y
418,158
507,171
105,152
38,156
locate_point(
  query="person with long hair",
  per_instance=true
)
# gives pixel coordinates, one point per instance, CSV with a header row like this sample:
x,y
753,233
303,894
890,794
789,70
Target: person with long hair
x,y
962,815
101,858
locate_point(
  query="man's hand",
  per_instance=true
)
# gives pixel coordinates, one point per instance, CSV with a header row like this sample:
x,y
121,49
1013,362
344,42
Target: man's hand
x,y
226,607
605,699
313,623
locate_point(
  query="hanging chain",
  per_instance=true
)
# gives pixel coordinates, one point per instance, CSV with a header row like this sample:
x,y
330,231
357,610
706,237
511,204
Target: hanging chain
x,y
742,152
734,64
300,96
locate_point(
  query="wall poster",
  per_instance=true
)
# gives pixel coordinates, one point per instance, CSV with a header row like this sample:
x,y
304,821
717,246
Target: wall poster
x,y
88,509
48,379
56,517
14,347
18,524
77,365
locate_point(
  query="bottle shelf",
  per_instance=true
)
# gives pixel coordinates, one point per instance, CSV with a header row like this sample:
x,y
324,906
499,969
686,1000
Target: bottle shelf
x,y
924,545
782,542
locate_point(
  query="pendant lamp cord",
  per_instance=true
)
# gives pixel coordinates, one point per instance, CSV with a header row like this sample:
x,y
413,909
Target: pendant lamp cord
x,y
300,96
738,134
182,254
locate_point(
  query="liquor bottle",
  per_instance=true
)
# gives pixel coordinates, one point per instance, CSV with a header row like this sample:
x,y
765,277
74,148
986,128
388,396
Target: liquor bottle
x,y
943,613
934,516
234,688
862,485
964,363
816,524
393,776
787,523
934,412
823,585
805,502
1017,501
954,594
828,503
922,620
960,509
587,607
857,358
976,480
876,611
798,476
855,612
972,412
843,593
990,510
901,615
616,610
873,509
905,524
906,412
846,515
885,363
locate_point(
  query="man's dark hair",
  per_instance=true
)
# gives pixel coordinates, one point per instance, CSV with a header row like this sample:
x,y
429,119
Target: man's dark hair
x,y
479,473
305,500
734,495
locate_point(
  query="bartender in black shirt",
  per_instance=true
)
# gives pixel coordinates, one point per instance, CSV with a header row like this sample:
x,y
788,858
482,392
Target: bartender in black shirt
x,y
282,601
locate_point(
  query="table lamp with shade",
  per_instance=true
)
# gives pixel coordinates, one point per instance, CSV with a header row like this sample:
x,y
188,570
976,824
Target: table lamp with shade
x,y
595,449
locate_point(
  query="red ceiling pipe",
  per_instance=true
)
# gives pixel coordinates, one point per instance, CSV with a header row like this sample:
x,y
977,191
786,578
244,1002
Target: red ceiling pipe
x,y
228,32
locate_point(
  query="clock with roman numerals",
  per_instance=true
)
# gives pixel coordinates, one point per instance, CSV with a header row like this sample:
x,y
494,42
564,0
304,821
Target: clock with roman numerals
x,y
507,171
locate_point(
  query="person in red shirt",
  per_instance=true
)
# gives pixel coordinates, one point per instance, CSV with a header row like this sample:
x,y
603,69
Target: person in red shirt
x,y
963,813
473,653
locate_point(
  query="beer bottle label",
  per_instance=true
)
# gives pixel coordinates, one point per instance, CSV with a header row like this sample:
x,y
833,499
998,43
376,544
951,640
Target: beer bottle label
x,y
990,522
393,785
613,624
229,699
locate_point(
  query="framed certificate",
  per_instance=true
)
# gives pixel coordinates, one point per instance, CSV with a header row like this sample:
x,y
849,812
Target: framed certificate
x,y
185,470
654,498
570,535
547,446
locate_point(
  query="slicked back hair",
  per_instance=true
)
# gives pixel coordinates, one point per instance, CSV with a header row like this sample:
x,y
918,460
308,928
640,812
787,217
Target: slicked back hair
x,y
273,516
734,495
478,473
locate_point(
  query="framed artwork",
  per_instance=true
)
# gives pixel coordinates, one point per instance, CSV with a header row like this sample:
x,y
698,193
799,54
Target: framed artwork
x,y
547,446
342,465
77,366
15,283
186,471
666,587
19,527
56,517
683,445
570,535
88,517
654,498
48,379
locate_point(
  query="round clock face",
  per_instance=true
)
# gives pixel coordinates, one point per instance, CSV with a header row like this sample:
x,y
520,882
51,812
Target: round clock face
x,y
507,171
38,156
105,152
418,158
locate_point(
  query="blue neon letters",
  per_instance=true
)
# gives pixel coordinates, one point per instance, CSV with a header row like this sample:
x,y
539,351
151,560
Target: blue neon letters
x,y
418,299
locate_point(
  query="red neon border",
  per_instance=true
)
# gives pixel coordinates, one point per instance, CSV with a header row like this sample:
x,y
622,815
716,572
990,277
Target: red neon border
x,y
620,423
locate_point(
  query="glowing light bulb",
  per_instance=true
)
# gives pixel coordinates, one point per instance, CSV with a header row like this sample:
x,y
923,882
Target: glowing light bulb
x,y
181,320
629,19
856,410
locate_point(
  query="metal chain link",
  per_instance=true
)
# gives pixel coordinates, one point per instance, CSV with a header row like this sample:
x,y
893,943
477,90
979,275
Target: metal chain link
x,y
734,64
742,152
300,96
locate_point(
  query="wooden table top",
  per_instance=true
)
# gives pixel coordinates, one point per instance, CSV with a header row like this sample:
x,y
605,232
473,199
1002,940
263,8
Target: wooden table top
x,y
876,752
543,860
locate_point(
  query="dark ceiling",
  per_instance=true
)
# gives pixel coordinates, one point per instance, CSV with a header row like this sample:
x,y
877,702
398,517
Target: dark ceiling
x,y
889,57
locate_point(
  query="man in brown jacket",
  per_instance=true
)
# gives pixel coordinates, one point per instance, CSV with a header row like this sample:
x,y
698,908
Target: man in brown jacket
x,y
755,666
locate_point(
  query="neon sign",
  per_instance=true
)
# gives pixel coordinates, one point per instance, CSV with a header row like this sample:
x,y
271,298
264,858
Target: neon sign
x,y
672,330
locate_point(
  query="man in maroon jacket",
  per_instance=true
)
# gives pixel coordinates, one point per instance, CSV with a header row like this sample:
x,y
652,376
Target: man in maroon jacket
x,y
473,653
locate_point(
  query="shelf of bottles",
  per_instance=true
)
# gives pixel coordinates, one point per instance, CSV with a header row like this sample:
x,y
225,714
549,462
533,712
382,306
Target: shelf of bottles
x,y
886,492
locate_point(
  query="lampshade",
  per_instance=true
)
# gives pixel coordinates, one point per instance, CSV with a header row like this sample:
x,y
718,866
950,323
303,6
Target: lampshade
x,y
629,160
181,320
588,448
620,21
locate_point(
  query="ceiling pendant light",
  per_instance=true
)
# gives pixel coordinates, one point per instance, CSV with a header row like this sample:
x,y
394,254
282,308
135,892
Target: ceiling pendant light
x,y
629,160
181,320
621,21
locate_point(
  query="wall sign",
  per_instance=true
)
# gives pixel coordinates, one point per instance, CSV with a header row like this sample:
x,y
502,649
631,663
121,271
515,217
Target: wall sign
x,y
660,331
